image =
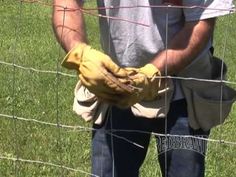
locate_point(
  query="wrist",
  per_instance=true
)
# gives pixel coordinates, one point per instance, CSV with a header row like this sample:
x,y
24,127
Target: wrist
x,y
73,44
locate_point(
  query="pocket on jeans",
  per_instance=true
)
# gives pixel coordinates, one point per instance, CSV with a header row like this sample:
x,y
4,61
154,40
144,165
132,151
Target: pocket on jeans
x,y
212,108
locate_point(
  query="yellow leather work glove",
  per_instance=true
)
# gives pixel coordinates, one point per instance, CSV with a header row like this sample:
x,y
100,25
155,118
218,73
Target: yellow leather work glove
x,y
98,72
147,81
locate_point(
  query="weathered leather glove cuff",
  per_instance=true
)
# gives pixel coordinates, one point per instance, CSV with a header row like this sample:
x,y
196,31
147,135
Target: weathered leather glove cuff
x,y
73,58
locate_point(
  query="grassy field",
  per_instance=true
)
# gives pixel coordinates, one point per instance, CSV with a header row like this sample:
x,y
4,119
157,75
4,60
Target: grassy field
x,y
26,39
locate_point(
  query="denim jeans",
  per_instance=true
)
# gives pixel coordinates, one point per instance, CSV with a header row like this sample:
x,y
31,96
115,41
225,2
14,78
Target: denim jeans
x,y
120,144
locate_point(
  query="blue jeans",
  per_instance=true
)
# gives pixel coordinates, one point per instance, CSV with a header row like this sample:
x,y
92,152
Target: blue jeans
x,y
121,153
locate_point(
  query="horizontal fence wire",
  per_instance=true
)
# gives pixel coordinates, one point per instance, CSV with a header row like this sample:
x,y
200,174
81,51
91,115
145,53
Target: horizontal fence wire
x,y
82,128
45,164
89,11
73,75
36,70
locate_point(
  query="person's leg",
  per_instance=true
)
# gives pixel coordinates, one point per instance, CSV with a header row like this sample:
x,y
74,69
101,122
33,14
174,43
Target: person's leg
x,y
119,155
181,156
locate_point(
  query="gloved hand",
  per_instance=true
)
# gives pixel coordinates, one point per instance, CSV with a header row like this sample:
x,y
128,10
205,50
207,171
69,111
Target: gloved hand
x,y
147,84
98,72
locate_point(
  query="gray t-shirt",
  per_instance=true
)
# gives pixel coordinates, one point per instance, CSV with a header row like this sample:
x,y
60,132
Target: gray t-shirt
x,y
134,45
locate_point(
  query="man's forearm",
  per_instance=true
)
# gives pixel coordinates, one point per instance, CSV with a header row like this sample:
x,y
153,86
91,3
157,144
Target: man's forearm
x,y
68,23
184,47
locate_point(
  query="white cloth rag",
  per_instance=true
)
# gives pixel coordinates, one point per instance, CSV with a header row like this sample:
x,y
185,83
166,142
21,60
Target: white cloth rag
x,y
87,106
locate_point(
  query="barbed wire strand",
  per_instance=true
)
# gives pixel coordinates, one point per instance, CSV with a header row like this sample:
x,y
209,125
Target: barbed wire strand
x,y
36,70
88,10
74,75
17,159
87,129
231,10
82,128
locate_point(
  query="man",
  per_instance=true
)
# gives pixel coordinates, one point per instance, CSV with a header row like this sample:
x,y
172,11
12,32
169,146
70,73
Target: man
x,y
153,42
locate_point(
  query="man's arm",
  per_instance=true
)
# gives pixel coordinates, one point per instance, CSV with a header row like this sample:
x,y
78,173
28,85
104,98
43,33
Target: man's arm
x,y
68,23
185,46
182,50
95,69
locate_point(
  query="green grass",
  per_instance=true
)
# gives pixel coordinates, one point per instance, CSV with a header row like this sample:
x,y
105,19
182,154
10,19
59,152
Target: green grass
x,y
27,39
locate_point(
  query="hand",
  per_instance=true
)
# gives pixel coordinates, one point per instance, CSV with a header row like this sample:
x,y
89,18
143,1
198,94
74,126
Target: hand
x,y
98,72
147,83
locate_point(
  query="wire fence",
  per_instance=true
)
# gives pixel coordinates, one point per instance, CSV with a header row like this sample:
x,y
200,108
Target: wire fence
x,y
11,91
